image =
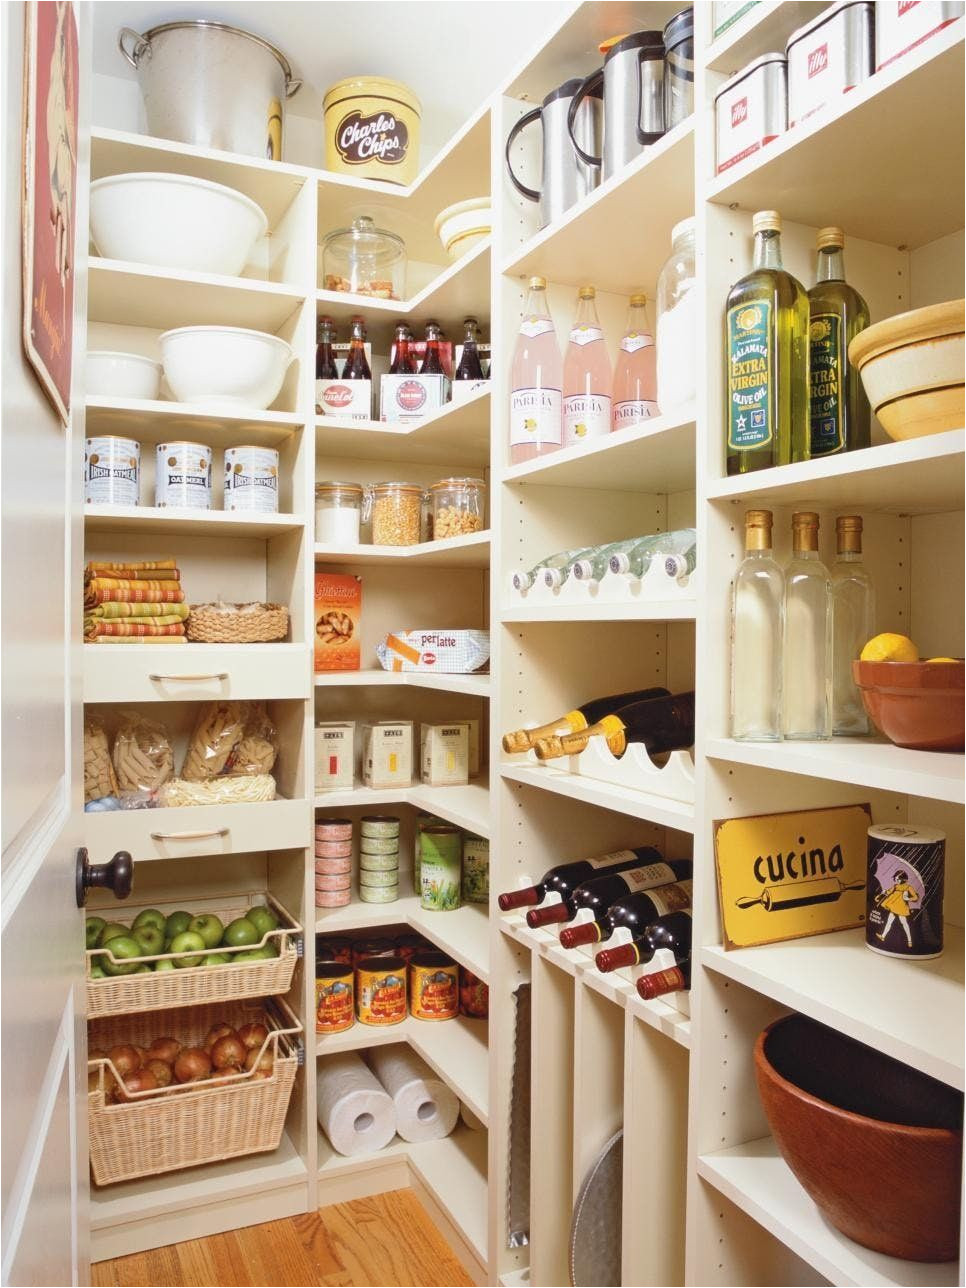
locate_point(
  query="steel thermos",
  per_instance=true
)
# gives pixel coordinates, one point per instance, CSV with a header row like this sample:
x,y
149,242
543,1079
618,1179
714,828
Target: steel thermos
x,y
632,79
564,177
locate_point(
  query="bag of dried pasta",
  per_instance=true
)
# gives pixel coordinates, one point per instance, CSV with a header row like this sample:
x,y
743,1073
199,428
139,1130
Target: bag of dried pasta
x,y
142,756
256,750
217,732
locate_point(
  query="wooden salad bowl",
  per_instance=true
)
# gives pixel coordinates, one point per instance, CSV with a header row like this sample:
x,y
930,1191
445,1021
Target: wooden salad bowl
x,y
877,1145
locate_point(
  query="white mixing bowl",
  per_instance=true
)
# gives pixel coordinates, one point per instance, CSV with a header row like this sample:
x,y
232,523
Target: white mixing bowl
x,y
121,375
174,221
225,366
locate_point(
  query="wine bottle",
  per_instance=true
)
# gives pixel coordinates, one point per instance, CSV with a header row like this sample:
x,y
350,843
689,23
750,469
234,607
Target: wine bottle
x,y
580,718
670,929
566,877
600,890
660,724
635,897
665,981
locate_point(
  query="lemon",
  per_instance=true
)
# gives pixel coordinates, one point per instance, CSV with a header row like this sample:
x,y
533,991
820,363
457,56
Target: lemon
x,y
940,659
889,647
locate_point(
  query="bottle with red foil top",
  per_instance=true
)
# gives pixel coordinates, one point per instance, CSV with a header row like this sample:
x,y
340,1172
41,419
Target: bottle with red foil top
x,y
670,929
635,379
566,877
403,359
658,887
588,376
676,979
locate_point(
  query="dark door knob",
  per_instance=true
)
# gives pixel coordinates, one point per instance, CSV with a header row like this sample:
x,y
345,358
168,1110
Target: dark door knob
x,y
118,875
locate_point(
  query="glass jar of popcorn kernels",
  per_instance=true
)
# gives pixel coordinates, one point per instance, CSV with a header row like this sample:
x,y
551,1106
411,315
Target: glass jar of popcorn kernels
x,y
458,506
395,509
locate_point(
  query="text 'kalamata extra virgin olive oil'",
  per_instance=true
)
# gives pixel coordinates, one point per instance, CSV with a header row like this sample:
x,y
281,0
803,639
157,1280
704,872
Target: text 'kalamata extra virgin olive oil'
x,y
766,348
838,406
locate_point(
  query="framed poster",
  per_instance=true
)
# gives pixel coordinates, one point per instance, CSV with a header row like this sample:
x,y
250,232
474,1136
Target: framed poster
x,y
51,69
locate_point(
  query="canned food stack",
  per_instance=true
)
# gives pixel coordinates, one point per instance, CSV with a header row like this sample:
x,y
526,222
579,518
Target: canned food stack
x,y
333,863
379,859
182,475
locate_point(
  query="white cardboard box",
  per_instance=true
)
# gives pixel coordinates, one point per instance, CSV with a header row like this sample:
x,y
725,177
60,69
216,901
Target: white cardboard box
x,y
445,754
334,755
387,754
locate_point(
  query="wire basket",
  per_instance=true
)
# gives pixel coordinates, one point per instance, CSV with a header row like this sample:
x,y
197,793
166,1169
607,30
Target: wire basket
x,y
188,1124
237,623
197,985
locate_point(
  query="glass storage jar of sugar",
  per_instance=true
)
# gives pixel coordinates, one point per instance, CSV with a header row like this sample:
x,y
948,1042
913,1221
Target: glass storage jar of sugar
x,y
677,322
338,514
458,506
395,509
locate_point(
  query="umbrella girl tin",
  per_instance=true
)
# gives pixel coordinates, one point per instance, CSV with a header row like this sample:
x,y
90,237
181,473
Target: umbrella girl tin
x,y
904,900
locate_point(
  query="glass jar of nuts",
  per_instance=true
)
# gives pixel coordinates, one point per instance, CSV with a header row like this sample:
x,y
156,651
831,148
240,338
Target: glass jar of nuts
x,y
457,507
395,511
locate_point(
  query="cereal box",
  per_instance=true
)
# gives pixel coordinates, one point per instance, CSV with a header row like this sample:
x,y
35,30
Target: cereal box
x,y
338,621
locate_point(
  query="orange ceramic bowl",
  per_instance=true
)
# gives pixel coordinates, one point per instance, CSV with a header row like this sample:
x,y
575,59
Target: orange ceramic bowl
x,y
915,704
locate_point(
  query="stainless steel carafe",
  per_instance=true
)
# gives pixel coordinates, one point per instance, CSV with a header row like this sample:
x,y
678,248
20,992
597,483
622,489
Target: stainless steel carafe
x,y
565,178
633,84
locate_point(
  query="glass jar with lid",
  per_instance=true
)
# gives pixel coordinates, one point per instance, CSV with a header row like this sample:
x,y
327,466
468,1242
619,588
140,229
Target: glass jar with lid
x,y
395,509
338,513
365,260
677,323
458,506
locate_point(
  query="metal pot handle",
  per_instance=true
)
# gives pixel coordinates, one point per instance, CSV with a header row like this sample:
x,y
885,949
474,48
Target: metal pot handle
x,y
594,81
644,137
292,86
138,47
527,119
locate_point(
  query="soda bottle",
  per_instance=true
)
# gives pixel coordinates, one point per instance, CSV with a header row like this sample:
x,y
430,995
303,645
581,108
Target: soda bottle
x,y
325,367
635,380
470,367
432,362
536,381
588,378
403,359
357,364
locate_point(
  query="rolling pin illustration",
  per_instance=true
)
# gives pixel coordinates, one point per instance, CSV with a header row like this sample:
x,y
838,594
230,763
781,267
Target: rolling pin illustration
x,y
801,895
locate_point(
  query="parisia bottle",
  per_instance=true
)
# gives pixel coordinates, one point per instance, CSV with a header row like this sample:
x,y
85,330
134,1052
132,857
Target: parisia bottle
x,y
580,718
853,615
673,980
469,366
588,378
758,606
523,579
664,881
638,559
635,378
598,891
766,347
564,878
660,724
670,929
536,381
807,644
839,415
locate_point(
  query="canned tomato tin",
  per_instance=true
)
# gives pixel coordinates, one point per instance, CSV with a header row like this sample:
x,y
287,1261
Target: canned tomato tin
x,y
433,987
333,948
334,993
474,996
904,894
363,948
381,990
112,471
379,826
750,110
372,129
379,862
476,869
901,26
334,829
440,862
251,479
410,945
182,476
828,56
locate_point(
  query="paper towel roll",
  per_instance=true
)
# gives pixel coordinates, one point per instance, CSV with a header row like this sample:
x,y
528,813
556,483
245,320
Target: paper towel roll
x,y
470,1119
355,1112
426,1109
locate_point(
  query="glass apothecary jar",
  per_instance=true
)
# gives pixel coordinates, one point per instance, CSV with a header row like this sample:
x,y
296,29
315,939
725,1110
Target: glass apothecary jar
x,y
365,260
458,507
338,513
395,509
677,323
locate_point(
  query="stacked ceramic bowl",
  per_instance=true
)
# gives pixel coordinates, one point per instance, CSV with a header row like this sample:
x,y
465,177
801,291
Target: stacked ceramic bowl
x,y
379,859
333,863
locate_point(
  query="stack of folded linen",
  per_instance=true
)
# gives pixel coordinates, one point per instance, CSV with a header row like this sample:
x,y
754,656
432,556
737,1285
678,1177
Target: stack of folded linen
x,y
137,603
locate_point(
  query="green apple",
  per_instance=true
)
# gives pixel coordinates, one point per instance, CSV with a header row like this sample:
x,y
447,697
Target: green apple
x,y
122,947
144,968
240,933
209,927
262,918
176,924
111,931
150,917
188,942
150,938
92,930
216,959
97,971
256,954
164,965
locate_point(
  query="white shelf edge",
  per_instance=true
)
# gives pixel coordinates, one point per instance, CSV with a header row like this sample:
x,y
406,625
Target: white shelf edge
x,y
592,791
448,802
474,685
425,296
402,430
243,285
196,411
426,551
655,610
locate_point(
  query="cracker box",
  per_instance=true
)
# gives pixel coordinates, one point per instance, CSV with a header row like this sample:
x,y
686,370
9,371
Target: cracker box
x,y
334,756
387,754
338,621
445,754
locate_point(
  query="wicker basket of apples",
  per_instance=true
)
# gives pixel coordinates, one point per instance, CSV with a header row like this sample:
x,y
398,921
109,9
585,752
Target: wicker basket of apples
x,y
206,951
198,1085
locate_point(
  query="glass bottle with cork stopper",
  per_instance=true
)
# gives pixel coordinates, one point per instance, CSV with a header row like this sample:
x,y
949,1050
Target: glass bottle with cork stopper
x,y
756,636
853,614
807,652
838,407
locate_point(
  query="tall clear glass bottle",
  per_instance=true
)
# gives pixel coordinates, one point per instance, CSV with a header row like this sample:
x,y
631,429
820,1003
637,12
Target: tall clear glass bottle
x,y
756,636
766,352
635,377
807,645
839,417
536,381
853,616
588,376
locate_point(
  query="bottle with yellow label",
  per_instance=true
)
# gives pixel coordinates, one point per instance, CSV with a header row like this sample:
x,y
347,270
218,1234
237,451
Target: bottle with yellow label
x,y
588,713
766,356
838,406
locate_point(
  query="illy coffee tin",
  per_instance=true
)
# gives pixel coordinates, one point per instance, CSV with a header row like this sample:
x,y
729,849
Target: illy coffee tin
x,y
829,56
904,895
182,476
901,26
381,990
112,471
334,989
750,110
251,479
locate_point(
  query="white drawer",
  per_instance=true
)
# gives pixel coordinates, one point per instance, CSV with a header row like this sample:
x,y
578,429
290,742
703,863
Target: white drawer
x,y
199,829
190,672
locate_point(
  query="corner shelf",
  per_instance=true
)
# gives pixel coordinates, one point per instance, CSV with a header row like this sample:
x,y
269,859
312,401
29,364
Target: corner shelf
x,y
475,685
196,523
467,806
592,791
458,433
470,551
463,932
155,421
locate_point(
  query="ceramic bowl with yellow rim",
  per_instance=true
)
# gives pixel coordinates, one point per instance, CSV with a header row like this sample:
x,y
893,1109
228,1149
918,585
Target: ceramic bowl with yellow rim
x,y
912,369
464,225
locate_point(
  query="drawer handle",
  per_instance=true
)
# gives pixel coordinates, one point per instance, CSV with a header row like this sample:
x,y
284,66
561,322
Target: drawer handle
x,y
215,675
190,836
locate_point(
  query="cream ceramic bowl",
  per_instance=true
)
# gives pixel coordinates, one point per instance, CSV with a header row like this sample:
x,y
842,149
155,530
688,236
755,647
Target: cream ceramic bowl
x,y
225,366
121,375
912,369
174,221
464,225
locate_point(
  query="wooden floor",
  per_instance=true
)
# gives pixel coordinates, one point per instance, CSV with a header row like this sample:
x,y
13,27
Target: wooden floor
x,y
387,1239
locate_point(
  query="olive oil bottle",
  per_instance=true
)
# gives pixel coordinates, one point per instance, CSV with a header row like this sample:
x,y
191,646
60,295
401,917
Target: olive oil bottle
x,y
838,406
766,346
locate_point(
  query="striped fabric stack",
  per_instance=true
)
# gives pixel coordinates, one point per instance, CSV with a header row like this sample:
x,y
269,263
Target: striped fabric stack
x,y
140,603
